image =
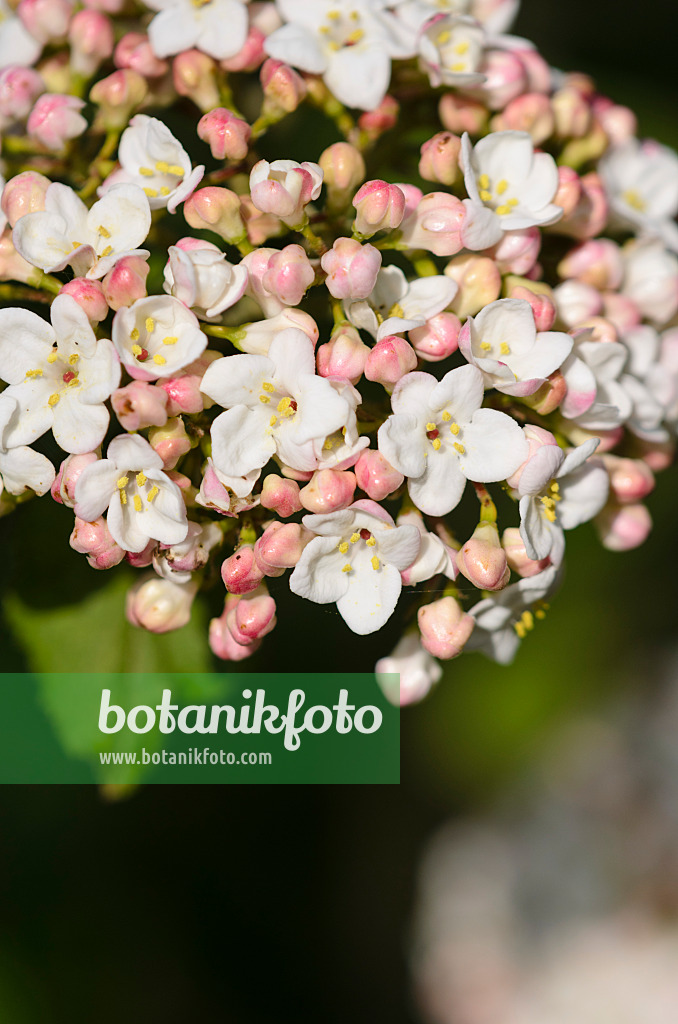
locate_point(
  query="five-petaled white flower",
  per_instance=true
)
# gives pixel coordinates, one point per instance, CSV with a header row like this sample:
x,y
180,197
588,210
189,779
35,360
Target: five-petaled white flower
x,y
451,51
504,619
143,503
153,160
91,241
349,42
356,560
217,27
59,375
202,278
20,467
276,405
440,437
510,187
641,181
397,305
502,341
157,336
595,398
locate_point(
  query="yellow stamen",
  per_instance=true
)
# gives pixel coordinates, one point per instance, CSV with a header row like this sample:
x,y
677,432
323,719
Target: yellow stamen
x,y
152,193
454,428
555,486
460,448
520,630
333,15
485,346
273,420
430,426
375,563
107,251
177,170
436,443
159,360
528,620
511,202
141,479
52,357
502,210
170,340
458,67
504,349
146,171
443,37
634,200
164,190
122,483
161,166
502,186
33,373
150,324
267,387
123,498
355,36
446,417
75,383
138,503
104,232
484,181
346,568
328,445
343,547
396,310
462,47
264,399
73,358
134,334
53,399
153,493
284,404
370,542
354,538
136,350
485,195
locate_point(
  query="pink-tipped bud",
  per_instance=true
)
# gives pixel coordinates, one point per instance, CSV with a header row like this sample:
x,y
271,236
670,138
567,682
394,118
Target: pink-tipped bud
x,y
280,495
117,96
126,282
288,275
170,441
222,643
14,267
461,114
517,251
600,327
195,75
505,79
344,355
543,306
90,34
517,557
252,617
183,394
19,89
63,488
328,490
572,113
351,269
621,311
46,20
529,113
24,193
216,209
95,541
260,226
142,559
283,88
479,283
373,123
537,438
482,559
379,206
569,192
227,136
619,123
589,216
438,338
251,55
240,571
444,627
90,296
549,396
160,605
597,263
55,119
140,405
631,480
134,52
623,527
440,158
389,360
343,168
280,547
375,476
576,302
658,455
435,225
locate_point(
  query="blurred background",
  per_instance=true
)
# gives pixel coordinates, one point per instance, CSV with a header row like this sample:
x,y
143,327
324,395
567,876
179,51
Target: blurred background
x,y
264,905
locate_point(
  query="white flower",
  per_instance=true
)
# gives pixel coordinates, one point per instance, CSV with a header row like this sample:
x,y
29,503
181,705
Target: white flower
x,y
91,241
503,620
177,562
416,671
451,50
356,560
59,375
643,382
510,187
204,280
595,398
276,405
559,490
502,341
494,15
349,42
17,45
439,437
228,495
397,305
157,336
641,181
434,557
143,503
20,467
153,160
256,337
651,279
341,449
217,27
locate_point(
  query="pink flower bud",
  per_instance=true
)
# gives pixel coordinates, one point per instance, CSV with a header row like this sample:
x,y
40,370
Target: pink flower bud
x,y
576,302
46,20
170,441
90,34
569,191
529,113
539,74
549,396
283,88
461,114
572,113
95,541
19,89
438,338
240,571
658,455
537,438
621,311
517,251
118,96
445,627
505,79
284,188
227,136
142,559
90,296
351,269
440,158
374,123
328,491
222,643
140,405
343,168
134,52
623,527
375,476
543,306
24,193
479,283
619,123
631,480
280,547
517,557
183,392
597,263
260,226
482,559
589,216
251,55
601,328
389,360
280,495
55,119
251,617
160,605
435,225
126,282
14,267
288,275
63,488
216,209
379,207
344,355
195,75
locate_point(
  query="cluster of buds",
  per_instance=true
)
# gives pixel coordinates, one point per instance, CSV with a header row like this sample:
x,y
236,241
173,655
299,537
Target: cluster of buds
x,y
333,361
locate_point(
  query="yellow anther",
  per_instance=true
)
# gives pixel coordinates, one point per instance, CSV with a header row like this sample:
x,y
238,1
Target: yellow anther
x,y
107,251
443,37
502,186
75,383
73,358
430,426
122,482
354,15
484,181
141,479
355,36
273,420
343,547
436,443
335,47
159,360
150,324
33,373
171,339
485,346
146,172
346,568
134,334
161,166
176,169
446,416
504,349
375,563
164,190
462,47
138,503
123,498
52,357
152,193
458,67
324,30
512,202
485,195
266,386
53,399
354,538
284,404
555,486
454,428
76,245
104,232
502,210
520,630
634,200
370,542
396,310
459,447
528,620
137,350
540,614
328,445
333,15
153,493
264,399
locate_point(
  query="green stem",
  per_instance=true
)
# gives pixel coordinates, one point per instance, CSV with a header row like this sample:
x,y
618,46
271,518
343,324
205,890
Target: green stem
x,y
315,241
488,509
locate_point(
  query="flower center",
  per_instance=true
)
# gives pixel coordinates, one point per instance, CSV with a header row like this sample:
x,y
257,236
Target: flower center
x,y
163,172
129,490
355,538
496,199
633,199
141,351
64,370
342,29
549,501
526,621
285,407
436,433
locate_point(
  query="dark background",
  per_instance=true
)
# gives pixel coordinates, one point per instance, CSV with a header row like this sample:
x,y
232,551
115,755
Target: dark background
x,y
254,905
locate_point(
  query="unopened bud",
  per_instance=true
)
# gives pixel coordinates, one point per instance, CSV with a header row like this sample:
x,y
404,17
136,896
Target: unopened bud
x,y
351,269
24,193
445,627
134,52
375,476
170,441
140,405
227,136
126,282
623,527
389,360
328,490
117,96
280,495
195,75
90,35
344,355
517,557
440,158
631,480
373,123
95,541
517,251
46,20
19,89
379,206
240,571
283,88
479,283
344,169
251,617
63,488
90,297
438,338
55,119
461,114
482,560
216,209
529,113
160,605
288,275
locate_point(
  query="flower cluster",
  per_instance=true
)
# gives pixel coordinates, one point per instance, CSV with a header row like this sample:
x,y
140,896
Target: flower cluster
x,y
308,367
